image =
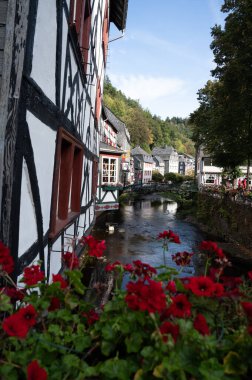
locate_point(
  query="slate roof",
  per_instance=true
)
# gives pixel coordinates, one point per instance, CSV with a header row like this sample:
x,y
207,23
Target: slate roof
x,y
161,151
112,119
138,151
118,13
159,160
105,148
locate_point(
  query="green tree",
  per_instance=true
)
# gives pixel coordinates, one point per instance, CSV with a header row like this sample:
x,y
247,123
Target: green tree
x,y
223,120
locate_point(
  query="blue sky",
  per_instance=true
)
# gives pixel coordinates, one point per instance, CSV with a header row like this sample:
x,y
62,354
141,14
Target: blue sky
x,y
164,57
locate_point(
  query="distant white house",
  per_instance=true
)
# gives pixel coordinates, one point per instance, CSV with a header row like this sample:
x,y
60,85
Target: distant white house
x,y
159,164
170,157
143,164
186,164
208,173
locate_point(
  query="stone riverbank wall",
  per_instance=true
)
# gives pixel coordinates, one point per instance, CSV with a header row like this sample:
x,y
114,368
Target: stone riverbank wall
x,y
226,218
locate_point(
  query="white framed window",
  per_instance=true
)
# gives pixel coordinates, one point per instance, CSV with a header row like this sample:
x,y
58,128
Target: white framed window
x,y
109,170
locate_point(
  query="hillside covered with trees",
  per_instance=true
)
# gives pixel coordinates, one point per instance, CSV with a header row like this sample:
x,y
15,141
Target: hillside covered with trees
x,y
145,129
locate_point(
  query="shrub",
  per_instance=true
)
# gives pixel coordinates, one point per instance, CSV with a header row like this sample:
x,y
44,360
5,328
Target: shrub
x,y
174,177
157,177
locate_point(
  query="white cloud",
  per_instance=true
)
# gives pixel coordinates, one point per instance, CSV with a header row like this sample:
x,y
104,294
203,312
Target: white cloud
x,y
163,96
147,88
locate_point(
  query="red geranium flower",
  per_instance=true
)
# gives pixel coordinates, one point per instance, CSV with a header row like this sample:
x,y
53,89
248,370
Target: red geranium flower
x,y
169,235
14,293
169,328
61,280
28,314
247,307
71,260
218,290
91,316
201,286
200,324
180,306
15,326
142,269
96,247
146,296
182,258
209,246
54,305
171,287
250,275
111,267
35,372
6,260
33,274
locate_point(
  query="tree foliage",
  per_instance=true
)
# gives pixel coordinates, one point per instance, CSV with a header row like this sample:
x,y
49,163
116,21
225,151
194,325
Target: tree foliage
x,y
223,121
148,130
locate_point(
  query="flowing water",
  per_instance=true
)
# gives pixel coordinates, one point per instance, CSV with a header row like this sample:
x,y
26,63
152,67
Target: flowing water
x,y
136,227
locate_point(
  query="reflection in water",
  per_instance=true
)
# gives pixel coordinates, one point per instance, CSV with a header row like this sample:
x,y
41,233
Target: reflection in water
x,y
137,226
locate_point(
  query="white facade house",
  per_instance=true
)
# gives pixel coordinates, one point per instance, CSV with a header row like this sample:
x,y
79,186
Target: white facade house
x,y
207,173
144,165
52,67
186,164
170,157
159,164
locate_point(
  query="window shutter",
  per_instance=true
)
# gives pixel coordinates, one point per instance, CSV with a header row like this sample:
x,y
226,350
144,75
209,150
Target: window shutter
x,y
105,32
85,34
95,177
98,100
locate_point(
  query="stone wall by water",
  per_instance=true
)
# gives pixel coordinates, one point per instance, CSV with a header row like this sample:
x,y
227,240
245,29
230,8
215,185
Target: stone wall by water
x,y
226,219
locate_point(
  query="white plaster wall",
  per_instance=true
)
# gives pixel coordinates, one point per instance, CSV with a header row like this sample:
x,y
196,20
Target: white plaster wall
x,y
44,51
43,143
28,227
55,260
63,57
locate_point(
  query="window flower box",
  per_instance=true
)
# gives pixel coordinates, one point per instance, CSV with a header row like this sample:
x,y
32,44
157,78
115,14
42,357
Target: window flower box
x,y
111,186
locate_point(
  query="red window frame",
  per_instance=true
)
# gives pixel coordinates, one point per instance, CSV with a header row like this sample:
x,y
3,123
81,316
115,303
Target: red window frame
x,y
105,33
98,100
95,176
80,18
67,178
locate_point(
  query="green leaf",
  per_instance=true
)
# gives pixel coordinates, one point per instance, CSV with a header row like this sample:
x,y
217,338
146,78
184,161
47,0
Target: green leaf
x,y
71,300
75,278
234,365
108,333
107,347
5,303
133,342
116,369
211,369
82,343
55,329
147,352
158,371
71,361
8,372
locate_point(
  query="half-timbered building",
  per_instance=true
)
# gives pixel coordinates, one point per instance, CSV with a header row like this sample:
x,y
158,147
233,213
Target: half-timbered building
x,y
110,164
52,64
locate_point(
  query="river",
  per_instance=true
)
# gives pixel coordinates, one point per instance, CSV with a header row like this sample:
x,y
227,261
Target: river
x,y
136,227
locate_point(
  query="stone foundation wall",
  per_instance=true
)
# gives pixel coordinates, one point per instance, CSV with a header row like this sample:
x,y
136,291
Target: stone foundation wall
x,y
226,219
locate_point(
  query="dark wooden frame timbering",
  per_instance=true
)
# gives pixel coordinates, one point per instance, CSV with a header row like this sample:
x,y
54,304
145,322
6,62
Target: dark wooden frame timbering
x,y
34,100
